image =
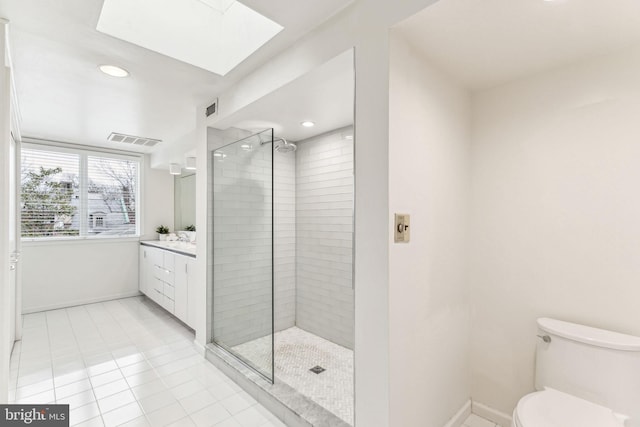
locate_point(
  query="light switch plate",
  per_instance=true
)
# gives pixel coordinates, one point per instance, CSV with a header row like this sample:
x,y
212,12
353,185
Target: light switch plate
x,y
401,228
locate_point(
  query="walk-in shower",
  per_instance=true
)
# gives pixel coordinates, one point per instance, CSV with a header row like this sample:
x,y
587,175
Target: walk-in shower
x,y
283,297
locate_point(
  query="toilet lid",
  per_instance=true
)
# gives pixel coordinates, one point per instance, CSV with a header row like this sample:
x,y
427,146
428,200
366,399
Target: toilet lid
x,y
552,408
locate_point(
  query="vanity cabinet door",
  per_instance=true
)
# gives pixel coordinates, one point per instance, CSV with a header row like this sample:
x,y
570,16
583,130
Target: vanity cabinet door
x,y
180,287
143,267
191,292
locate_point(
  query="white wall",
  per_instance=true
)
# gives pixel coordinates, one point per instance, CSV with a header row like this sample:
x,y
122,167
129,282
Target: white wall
x,y
429,132
61,274
556,214
324,237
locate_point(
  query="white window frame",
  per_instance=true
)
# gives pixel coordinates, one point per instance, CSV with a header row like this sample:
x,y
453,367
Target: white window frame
x,y
84,152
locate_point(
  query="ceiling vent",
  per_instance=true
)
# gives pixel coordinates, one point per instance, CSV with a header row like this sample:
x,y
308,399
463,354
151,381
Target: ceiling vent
x,y
134,140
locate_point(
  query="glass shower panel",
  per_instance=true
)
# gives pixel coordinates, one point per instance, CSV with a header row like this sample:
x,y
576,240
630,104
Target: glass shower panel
x,y
243,250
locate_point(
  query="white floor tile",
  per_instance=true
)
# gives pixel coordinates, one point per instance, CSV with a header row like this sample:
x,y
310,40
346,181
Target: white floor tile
x,y
95,367
149,389
157,401
106,378
93,422
137,422
176,378
167,415
109,389
238,402
129,360
187,389
230,422
116,401
71,377
221,391
140,378
122,415
250,417
197,401
210,415
135,368
183,422
44,397
73,388
77,400
83,413
33,389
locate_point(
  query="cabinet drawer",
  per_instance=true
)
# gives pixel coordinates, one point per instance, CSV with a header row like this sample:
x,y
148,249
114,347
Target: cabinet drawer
x,y
168,304
164,274
158,285
169,291
156,295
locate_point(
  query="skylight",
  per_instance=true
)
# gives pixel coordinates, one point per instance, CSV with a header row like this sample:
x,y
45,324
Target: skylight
x,y
212,34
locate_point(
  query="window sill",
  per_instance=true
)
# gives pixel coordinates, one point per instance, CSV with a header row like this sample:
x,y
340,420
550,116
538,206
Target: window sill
x,y
77,240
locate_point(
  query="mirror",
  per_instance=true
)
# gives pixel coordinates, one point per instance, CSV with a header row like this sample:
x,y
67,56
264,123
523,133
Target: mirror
x,y
184,201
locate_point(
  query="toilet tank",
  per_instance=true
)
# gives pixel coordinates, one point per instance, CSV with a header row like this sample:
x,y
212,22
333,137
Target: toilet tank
x,y
594,364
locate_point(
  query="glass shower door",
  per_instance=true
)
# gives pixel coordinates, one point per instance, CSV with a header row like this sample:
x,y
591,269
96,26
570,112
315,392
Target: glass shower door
x,y
243,250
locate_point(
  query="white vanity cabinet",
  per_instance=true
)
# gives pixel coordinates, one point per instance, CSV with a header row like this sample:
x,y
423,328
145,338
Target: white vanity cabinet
x,y
167,278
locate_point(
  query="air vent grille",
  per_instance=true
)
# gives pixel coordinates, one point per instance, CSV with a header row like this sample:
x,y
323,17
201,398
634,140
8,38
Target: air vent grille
x,y
135,140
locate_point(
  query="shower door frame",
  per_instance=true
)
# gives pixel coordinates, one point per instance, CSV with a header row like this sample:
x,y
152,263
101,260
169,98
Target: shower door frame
x,y
212,338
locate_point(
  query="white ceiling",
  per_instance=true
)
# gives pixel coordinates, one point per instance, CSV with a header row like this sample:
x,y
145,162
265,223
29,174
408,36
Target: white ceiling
x,y
63,96
324,96
487,42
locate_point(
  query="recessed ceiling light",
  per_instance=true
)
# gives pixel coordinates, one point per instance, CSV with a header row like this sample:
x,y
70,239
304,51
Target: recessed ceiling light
x,y
308,124
113,70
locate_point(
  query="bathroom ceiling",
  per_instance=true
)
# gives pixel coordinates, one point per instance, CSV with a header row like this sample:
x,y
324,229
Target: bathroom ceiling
x,y
56,50
324,96
488,42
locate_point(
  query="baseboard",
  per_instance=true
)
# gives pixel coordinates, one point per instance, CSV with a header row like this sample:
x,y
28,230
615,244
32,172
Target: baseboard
x,y
460,416
75,303
484,411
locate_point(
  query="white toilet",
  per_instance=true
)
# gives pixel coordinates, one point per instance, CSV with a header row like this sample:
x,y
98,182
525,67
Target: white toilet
x,y
585,377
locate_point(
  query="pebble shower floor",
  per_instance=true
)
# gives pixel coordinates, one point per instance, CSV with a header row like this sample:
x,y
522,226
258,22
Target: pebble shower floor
x,y
296,352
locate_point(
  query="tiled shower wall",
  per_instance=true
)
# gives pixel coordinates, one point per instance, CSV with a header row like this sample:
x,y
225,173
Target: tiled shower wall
x,y
284,244
324,237
242,244
313,226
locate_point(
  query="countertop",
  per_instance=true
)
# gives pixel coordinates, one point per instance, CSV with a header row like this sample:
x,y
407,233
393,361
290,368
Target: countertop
x,y
183,248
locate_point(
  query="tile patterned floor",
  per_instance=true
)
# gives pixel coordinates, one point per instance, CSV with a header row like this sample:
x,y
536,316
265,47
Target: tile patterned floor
x,y
475,421
297,351
126,362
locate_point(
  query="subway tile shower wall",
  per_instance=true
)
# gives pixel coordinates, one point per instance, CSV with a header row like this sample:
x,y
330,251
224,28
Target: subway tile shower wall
x,y
313,235
284,244
324,237
242,244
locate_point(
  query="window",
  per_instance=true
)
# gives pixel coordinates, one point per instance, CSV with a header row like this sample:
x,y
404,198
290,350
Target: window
x,y
77,193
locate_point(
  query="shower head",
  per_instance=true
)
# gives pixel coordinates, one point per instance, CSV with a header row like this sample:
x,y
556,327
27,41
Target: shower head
x,y
285,147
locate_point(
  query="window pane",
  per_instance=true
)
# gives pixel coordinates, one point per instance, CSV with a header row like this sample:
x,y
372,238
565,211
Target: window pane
x,y
112,196
50,193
